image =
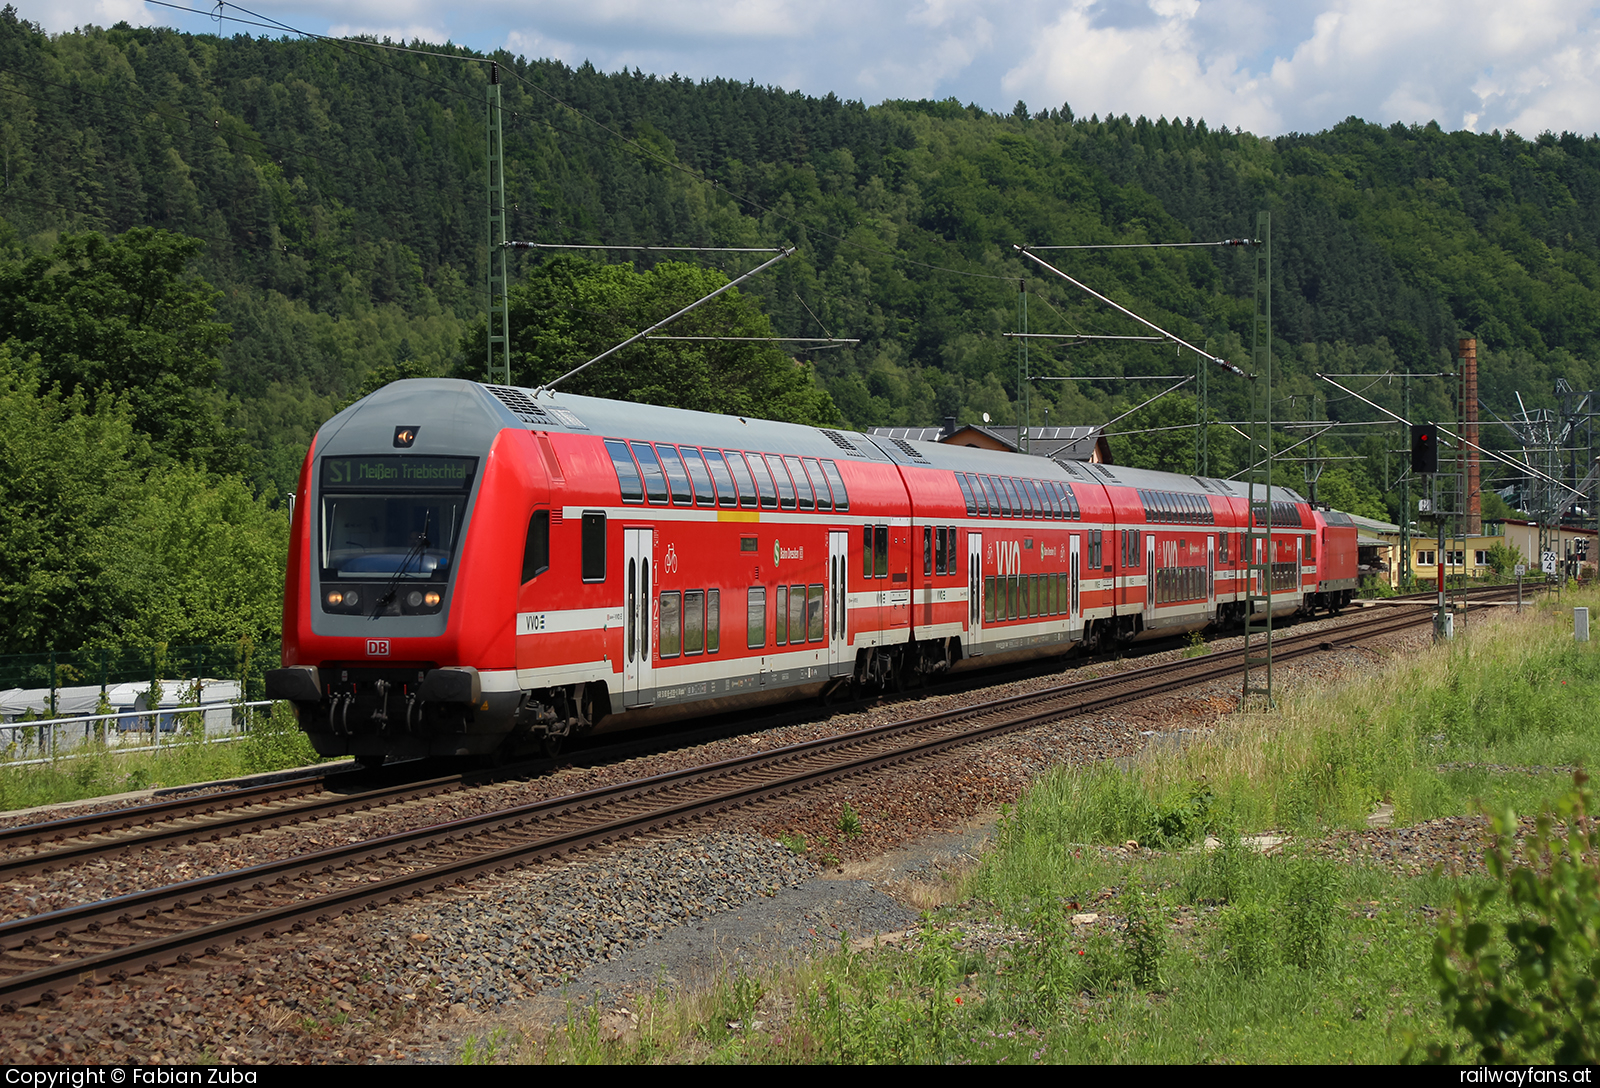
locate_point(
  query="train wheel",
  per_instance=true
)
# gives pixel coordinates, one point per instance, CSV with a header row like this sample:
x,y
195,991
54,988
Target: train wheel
x,y
552,745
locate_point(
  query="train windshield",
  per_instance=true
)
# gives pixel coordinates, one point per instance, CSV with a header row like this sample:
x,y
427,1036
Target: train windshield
x,y
388,517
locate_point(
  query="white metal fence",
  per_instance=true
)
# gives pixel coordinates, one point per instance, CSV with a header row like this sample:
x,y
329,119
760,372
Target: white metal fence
x,y
44,739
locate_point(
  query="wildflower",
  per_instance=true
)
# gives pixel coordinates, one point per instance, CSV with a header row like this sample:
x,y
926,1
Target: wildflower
x,y
958,999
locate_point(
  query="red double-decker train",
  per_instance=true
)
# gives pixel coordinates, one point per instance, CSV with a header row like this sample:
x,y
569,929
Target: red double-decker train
x,y
477,570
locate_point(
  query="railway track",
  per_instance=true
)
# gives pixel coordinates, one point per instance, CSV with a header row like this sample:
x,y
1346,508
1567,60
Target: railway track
x,y
257,809
144,931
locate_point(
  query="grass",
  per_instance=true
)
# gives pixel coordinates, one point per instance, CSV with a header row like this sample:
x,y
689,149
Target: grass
x,y
96,770
1067,945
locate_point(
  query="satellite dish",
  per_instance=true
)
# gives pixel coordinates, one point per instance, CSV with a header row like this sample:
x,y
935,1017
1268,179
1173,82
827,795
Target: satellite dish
x,y
986,417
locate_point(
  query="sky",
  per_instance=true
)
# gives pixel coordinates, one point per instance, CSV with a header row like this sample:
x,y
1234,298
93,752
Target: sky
x,y
1266,66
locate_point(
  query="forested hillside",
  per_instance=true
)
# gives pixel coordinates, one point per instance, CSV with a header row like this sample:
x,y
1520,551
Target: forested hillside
x,y
336,195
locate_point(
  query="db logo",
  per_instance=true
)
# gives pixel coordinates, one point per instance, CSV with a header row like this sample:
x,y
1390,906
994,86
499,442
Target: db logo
x,y
377,647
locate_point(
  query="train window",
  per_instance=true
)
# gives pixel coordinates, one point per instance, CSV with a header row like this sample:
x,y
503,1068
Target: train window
x,y
988,597
927,549
797,614
880,551
781,475
741,474
671,642
966,493
814,614
769,493
801,485
841,497
627,472
866,551
726,493
1072,502
694,621
704,493
780,611
1053,500
594,546
536,549
755,617
990,495
819,483
644,606
1036,504
941,551
1001,493
633,589
677,475
655,480
713,620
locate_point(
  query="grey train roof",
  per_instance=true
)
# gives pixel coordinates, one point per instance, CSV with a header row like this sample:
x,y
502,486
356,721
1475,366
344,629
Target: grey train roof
x,y
460,417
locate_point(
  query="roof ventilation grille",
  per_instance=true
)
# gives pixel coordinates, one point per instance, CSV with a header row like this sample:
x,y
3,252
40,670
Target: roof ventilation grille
x,y
520,403
908,449
839,440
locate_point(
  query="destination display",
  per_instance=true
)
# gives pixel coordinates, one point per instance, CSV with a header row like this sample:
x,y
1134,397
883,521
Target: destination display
x,y
387,472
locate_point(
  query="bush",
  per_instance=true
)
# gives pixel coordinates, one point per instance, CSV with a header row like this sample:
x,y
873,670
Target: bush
x,y
275,742
1529,995
1310,899
1145,942
1244,937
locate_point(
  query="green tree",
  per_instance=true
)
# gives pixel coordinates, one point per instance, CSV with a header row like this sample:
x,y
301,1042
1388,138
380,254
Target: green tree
x,y
101,540
569,310
124,316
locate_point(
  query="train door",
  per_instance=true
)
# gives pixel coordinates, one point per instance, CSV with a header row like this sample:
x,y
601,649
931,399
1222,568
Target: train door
x,y
638,678
1211,570
1149,579
900,580
839,661
1299,564
975,590
1074,612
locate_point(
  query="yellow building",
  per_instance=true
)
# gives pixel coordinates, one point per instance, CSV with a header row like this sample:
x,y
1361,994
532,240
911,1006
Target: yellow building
x,y
1471,556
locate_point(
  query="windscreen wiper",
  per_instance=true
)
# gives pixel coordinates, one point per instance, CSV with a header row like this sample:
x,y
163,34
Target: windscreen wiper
x,y
386,598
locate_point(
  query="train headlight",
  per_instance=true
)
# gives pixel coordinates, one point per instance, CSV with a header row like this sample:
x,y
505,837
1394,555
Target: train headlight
x,y
414,599
431,599
342,599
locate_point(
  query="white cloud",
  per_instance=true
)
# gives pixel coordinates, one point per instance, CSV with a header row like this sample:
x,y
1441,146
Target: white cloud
x,y
1465,63
1159,67
381,29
